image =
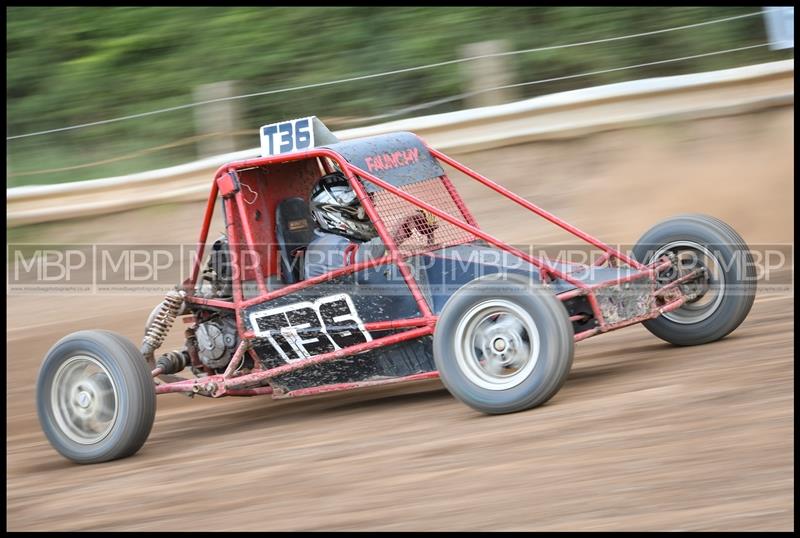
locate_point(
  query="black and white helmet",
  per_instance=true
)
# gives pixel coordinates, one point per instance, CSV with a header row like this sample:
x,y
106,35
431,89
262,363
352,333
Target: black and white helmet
x,y
336,208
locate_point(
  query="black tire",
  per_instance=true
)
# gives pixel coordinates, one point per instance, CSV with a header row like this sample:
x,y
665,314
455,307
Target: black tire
x,y
732,291
466,322
119,395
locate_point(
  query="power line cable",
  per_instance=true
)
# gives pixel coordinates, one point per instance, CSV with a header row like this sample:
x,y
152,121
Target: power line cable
x,y
399,112
554,79
383,74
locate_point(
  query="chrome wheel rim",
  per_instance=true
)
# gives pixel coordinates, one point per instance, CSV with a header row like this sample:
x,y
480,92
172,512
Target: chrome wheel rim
x,y
84,400
497,344
710,291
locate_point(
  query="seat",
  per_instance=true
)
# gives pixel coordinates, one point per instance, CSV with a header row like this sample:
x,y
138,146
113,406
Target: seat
x,y
294,230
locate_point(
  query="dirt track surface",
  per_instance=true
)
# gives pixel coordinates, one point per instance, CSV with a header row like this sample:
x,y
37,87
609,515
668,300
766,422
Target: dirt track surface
x,y
643,436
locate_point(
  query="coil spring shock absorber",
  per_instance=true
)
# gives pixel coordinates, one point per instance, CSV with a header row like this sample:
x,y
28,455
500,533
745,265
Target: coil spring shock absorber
x,y
160,324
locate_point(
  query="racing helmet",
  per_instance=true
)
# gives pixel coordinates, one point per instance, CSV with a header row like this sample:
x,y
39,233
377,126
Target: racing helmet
x,y
336,208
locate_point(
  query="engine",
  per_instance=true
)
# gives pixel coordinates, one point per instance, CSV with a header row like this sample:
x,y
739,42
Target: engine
x,y
216,341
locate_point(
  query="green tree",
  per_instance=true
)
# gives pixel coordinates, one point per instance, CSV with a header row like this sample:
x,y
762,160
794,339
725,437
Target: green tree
x,y
68,66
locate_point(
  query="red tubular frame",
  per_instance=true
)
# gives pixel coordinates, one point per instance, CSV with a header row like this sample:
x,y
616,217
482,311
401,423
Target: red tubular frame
x,y
388,240
252,383
201,244
536,209
219,384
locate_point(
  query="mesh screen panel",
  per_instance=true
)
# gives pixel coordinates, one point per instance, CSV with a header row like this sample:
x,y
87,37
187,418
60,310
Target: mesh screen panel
x,y
415,230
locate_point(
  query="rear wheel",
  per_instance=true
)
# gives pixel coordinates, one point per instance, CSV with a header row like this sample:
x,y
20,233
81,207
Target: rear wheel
x,y
503,344
722,297
95,397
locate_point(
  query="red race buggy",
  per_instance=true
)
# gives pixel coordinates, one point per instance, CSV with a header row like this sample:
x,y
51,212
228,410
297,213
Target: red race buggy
x,y
445,299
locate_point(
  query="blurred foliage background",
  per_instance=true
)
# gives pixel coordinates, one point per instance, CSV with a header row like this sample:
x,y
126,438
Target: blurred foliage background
x,y
68,66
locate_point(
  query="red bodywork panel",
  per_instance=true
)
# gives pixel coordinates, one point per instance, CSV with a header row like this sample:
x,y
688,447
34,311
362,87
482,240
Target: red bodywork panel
x,y
262,190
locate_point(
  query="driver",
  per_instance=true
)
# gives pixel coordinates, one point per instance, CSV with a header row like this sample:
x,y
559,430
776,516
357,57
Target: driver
x,y
345,234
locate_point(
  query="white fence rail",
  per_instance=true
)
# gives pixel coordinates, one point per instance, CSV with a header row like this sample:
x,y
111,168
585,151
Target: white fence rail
x,y
561,115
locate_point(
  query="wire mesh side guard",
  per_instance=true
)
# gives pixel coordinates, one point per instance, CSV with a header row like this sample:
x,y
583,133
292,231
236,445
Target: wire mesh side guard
x,y
416,230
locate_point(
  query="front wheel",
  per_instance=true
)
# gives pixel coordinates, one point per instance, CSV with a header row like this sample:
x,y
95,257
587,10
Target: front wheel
x,y
95,397
721,297
503,344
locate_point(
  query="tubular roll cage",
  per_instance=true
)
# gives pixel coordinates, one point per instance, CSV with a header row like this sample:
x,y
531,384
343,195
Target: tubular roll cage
x,y
249,384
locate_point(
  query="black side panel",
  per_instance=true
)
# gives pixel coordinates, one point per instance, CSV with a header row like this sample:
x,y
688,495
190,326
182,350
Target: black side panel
x,y
378,294
405,358
330,316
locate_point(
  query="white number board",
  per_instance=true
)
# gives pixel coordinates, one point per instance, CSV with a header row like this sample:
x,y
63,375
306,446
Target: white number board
x,y
287,136
301,330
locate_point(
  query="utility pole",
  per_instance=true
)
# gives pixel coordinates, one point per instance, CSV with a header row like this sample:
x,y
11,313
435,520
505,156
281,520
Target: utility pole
x,y
486,73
